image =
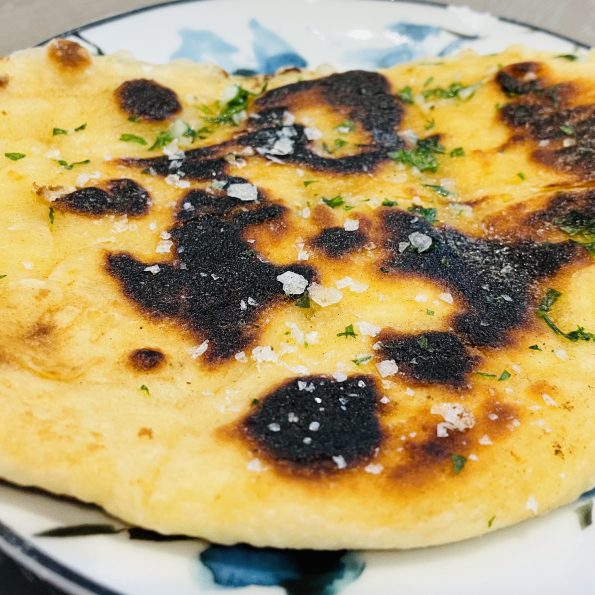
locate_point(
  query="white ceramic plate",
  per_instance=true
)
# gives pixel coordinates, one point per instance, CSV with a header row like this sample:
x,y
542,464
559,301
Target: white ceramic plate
x,y
549,555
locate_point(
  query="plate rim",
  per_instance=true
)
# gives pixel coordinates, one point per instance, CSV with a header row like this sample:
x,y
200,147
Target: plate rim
x,y
23,551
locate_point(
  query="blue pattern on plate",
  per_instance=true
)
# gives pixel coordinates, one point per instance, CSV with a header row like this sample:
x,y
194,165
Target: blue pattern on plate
x,y
412,41
297,571
271,51
205,46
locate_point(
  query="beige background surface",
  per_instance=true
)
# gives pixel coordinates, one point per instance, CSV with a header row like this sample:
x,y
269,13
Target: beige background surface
x,y
26,22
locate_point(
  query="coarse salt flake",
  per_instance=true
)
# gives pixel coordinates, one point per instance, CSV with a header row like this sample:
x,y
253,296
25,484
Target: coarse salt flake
x,y
367,328
446,297
420,241
255,465
374,469
164,247
532,505
293,283
351,225
324,296
154,269
264,353
387,367
198,350
339,460
456,417
245,192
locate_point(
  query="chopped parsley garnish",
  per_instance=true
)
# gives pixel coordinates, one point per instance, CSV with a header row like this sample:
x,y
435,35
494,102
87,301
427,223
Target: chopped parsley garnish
x,y
423,156
522,176
67,165
308,182
567,129
81,127
162,139
580,227
345,127
441,190
145,389
132,138
430,124
57,131
135,119
457,152
348,332
51,215
535,347
485,374
585,514
423,343
255,402
428,81
429,312
504,376
569,57
453,91
339,142
389,203
428,214
543,310
406,95
14,156
2,276
229,111
334,202
491,522
303,301
361,360
458,463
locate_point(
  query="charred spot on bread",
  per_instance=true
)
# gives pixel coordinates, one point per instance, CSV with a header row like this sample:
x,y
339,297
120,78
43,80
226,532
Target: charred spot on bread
x,y
147,99
68,55
146,359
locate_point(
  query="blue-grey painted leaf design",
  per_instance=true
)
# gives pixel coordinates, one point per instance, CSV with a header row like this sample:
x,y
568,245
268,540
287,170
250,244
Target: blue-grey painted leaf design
x,y
297,571
413,31
206,46
272,51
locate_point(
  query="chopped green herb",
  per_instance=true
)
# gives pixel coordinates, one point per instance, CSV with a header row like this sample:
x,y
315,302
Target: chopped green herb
x,y
430,124
428,81
255,402
580,227
303,301
67,165
345,127
585,514
457,152
308,182
51,215
485,374
458,463
348,332
14,156
135,119
521,175
145,389
406,95
334,202
569,57
2,276
81,127
389,203
162,139
441,190
80,531
535,347
550,298
132,138
228,112
57,131
361,360
567,129
491,522
453,91
504,376
429,312
428,214
423,156
339,142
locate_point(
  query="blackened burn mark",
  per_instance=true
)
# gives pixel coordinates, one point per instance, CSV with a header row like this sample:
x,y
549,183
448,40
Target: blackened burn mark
x,y
146,360
216,286
147,99
495,279
569,209
308,421
430,357
364,97
122,197
336,241
543,113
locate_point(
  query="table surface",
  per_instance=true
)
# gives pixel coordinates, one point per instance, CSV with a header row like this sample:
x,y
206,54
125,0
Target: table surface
x,y
24,23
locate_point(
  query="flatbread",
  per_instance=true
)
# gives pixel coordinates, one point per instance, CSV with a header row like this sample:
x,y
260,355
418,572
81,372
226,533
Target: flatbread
x,y
314,310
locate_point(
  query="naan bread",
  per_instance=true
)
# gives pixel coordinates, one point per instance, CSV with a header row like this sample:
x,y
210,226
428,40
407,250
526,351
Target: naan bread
x,y
316,310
